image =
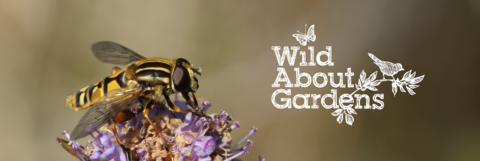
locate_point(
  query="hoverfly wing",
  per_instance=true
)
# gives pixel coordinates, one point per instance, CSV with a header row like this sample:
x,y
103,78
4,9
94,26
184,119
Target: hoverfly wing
x,y
113,53
104,109
71,150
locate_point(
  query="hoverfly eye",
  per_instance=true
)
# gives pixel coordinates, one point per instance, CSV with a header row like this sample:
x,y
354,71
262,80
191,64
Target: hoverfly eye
x,y
181,78
177,76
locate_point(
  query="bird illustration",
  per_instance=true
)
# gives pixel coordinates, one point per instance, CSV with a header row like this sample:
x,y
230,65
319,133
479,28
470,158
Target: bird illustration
x,y
387,68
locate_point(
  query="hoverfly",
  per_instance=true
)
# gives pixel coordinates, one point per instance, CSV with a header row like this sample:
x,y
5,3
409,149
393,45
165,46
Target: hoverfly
x,y
145,80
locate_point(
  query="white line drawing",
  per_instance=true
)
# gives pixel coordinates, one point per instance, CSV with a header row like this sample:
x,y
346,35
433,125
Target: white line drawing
x,y
387,68
408,81
304,38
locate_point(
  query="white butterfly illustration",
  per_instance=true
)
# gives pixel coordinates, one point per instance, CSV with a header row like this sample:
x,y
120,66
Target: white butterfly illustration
x,y
302,38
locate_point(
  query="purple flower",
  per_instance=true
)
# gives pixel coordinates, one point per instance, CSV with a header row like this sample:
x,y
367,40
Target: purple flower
x,y
105,147
187,137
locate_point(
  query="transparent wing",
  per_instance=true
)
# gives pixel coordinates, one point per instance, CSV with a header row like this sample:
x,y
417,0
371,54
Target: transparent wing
x,y
113,53
311,34
103,110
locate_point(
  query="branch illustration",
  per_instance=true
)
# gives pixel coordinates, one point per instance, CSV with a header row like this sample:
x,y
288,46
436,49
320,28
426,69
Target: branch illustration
x,y
408,81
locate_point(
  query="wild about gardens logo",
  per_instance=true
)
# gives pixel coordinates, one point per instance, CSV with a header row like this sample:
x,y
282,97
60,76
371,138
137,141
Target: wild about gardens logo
x,y
343,106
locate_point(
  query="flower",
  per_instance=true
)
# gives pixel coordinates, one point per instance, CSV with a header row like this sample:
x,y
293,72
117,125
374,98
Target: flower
x,y
187,137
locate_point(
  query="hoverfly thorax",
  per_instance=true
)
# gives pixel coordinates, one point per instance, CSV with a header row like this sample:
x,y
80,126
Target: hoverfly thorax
x,y
183,76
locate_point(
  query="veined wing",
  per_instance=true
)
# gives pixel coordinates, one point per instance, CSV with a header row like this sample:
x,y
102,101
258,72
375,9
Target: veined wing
x,y
301,38
113,53
104,109
311,34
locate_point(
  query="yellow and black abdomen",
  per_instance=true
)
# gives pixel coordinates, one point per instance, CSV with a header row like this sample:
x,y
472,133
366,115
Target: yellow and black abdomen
x,y
87,96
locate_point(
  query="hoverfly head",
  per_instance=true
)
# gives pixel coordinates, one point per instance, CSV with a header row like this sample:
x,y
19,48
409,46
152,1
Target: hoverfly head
x,y
184,76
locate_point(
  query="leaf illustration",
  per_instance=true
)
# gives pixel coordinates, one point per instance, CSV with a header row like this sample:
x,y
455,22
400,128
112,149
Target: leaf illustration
x,y
413,86
417,80
376,83
372,88
349,119
351,111
410,91
358,86
337,112
340,118
367,82
412,75
406,75
401,88
394,88
373,76
362,76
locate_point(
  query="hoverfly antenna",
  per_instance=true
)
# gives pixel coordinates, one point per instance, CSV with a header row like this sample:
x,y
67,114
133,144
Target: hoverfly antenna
x,y
198,71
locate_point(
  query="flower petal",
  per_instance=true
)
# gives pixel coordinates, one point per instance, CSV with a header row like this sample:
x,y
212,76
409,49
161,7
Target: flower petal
x,y
204,146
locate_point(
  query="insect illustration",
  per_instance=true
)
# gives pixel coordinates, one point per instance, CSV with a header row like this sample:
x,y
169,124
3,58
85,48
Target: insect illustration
x,y
304,38
387,68
146,80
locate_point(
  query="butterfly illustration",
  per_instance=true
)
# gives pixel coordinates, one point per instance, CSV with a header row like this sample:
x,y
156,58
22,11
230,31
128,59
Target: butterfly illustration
x,y
302,38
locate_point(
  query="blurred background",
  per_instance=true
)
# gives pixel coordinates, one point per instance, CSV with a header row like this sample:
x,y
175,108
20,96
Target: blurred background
x,y
45,49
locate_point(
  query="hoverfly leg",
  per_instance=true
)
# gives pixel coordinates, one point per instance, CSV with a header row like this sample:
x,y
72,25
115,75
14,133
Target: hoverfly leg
x,y
195,99
173,107
116,69
178,109
193,103
173,113
121,116
146,109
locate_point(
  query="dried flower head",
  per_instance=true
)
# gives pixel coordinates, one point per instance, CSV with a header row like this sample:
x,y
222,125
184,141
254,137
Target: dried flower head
x,y
187,137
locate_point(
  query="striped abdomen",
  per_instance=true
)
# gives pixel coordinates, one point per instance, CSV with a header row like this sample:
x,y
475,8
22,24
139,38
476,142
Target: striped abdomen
x,y
90,94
